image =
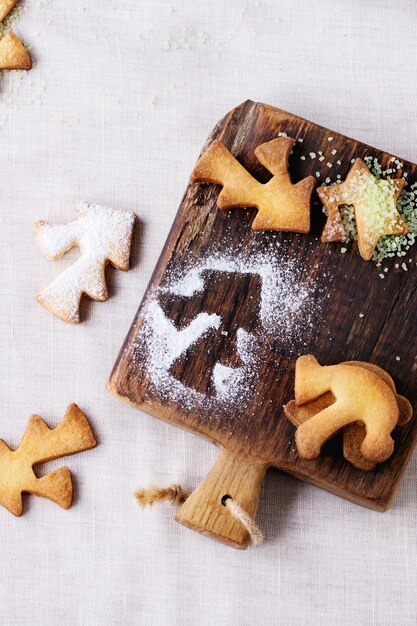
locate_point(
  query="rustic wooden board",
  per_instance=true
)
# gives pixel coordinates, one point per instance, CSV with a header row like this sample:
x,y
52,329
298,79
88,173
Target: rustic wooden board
x,y
259,435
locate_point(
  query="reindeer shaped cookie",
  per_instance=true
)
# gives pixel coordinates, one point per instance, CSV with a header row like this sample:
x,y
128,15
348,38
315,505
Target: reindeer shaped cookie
x,y
104,236
355,433
281,205
360,396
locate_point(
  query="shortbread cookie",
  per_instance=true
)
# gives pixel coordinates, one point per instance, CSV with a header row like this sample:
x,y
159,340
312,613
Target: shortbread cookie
x,y
281,205
353,434
39,445
104,235
6,7
13,54
374,202
360,395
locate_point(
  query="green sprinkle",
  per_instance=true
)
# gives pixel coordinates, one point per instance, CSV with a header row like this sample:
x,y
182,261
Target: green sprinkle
x,y
388,246
398,245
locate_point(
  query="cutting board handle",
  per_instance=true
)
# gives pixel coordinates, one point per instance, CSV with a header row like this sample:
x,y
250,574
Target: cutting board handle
x,y
234,475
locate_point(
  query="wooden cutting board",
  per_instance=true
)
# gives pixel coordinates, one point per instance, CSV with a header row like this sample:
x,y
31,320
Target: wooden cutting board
x,y
227,312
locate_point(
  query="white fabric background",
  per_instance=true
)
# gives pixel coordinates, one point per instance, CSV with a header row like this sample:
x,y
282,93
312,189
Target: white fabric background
x,y
116,109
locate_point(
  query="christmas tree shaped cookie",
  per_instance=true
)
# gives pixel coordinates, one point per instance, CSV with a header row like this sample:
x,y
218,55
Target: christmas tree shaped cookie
x,y
104,235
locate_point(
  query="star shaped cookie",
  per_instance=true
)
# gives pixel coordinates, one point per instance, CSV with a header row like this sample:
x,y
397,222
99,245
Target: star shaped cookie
x,y
281,205
374,202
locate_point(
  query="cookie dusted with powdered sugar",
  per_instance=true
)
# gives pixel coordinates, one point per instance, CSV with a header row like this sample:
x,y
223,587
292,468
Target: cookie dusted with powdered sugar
x,y
104,235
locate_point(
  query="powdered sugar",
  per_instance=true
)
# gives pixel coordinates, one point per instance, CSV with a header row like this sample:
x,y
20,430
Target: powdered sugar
x,y
281,293
230,381
170,343
284,311
165,344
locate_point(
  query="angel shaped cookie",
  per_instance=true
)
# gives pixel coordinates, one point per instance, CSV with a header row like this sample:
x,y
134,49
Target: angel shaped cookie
x,y
41,444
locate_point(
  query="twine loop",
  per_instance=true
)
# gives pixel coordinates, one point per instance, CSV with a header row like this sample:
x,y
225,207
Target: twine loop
x,y
176,496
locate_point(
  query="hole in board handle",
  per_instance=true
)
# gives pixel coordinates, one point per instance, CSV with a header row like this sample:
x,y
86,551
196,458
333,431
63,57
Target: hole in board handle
x,y
224,498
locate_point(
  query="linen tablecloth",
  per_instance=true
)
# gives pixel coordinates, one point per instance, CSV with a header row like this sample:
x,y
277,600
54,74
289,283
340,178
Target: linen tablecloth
x,y
115,110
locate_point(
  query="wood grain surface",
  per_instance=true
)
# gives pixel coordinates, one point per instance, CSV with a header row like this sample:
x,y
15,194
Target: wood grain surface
x,y
353,315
